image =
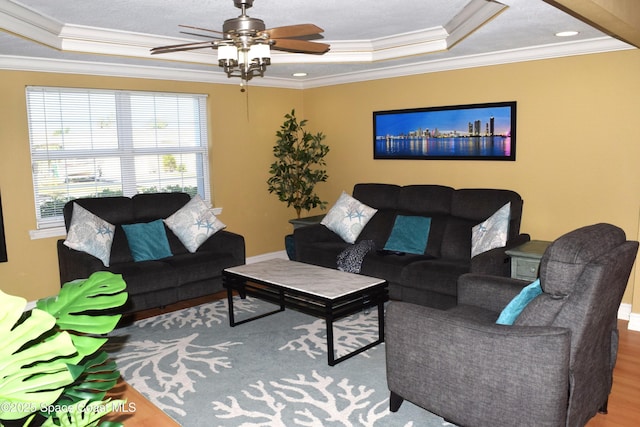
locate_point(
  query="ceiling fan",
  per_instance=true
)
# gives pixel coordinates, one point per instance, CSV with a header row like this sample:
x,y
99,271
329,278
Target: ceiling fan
x,y
244,43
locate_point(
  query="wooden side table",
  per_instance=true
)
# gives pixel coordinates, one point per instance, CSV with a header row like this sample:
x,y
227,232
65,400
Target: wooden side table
x,y
305,221
525,259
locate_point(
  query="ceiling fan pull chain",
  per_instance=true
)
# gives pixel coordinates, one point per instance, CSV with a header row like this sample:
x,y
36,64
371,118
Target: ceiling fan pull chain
x,y
246,91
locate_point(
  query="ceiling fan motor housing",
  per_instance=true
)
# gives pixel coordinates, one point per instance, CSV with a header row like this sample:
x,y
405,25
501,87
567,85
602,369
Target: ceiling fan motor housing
x,y
243,25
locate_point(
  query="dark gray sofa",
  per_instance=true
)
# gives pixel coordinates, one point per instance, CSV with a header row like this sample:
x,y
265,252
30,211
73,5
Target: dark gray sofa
x,y
430,278
155,283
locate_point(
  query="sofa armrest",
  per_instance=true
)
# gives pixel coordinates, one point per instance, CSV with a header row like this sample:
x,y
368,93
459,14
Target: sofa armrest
x,y
488,292
75,264
314,233
305,238
226,241
474,373
495,261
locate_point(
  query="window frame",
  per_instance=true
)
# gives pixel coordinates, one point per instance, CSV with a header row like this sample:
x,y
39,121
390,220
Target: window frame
x,y
127,148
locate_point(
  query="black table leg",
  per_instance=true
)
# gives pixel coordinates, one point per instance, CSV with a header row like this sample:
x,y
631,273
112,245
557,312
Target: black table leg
x,y
229,300
329,325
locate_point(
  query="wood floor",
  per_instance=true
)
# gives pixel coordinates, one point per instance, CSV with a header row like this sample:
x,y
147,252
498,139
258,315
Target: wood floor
x,y
624,401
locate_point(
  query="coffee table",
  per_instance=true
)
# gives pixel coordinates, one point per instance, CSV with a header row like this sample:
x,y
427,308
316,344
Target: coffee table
x,y
322,292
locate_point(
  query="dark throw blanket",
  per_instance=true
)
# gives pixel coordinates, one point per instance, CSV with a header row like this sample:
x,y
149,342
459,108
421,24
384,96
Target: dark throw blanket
x,y
350,260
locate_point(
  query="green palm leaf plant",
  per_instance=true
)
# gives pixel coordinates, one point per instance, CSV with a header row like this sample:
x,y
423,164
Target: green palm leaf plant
x,y
52,371
298,166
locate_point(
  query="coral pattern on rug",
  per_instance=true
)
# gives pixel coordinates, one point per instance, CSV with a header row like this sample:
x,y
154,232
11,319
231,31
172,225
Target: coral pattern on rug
x,y
269,372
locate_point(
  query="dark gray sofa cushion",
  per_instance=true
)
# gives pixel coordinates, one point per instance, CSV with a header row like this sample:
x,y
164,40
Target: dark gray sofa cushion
x,y
379,196
149,207
199,266
378,228
478,204
114,210
146,276
388,266
434,274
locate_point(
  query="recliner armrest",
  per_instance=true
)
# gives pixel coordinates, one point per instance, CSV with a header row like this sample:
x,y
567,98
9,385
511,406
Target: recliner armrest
x,y
76,264
315,233
439,361
495,261
226,241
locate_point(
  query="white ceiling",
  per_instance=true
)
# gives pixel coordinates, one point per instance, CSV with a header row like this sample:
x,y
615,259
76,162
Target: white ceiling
x,y
369,38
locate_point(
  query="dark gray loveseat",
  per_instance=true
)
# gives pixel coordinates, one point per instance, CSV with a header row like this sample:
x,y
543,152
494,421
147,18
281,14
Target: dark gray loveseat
x,y
155,283
429,278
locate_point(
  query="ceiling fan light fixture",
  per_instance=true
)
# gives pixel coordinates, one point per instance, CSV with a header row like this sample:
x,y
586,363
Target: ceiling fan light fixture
x,y
244,45
244,62
260,52
227,53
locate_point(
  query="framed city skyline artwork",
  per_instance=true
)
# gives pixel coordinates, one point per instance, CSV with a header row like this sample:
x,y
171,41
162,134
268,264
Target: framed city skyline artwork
x,y
458,132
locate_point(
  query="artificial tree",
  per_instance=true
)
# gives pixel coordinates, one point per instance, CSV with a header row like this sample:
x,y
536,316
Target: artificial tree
x,y
298,166
52,371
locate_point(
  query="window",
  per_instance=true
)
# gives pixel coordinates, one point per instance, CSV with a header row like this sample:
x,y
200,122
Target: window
x,y
96,143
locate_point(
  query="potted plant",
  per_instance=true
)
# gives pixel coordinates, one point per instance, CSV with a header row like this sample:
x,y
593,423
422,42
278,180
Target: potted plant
x,y
52,371
298,166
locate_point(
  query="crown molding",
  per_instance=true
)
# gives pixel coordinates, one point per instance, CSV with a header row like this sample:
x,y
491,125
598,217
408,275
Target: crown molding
x,y
599,45
48,65
474,15
584,47
69,37
28,23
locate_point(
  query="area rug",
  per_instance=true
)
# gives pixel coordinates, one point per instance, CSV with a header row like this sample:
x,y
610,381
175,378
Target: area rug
x,y
269,372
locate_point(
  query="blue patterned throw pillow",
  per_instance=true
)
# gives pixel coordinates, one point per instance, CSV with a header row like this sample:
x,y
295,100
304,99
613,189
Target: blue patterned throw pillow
x,y
194,223
348,217
492,232
90,233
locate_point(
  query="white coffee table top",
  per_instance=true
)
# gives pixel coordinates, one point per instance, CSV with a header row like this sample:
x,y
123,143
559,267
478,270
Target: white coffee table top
x,y
312,279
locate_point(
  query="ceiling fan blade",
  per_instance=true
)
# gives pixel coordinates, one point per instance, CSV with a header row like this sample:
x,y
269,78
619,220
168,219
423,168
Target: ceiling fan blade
x,y
293,31
300,46
181,47
201,29
200,35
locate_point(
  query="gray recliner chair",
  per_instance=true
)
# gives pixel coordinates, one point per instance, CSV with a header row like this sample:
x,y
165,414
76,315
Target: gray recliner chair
x,y
552,367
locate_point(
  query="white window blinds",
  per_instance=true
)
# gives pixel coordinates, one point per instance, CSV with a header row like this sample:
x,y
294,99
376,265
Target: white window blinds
x,y
96,143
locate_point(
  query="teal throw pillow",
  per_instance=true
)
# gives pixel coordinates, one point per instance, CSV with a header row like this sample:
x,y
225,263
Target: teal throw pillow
x,y
147,241
409,234
511,312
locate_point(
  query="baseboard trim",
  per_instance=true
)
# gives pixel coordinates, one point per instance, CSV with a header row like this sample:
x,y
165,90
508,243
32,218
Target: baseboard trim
x,y
634,322
624,311
267,256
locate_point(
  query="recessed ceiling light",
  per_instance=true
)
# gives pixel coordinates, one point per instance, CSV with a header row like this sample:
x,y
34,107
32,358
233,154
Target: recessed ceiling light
x,y
567,34
299,74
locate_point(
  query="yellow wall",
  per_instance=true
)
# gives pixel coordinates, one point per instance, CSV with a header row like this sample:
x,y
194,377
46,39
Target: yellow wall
x,y
577,149
242,134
